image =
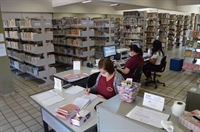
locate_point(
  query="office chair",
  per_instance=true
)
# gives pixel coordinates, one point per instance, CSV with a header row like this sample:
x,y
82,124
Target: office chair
x,y
92,79
163,65
138,74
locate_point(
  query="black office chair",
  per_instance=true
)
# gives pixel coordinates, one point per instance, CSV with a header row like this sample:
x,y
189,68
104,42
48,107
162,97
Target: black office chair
x,y
92,80
138,74
163,65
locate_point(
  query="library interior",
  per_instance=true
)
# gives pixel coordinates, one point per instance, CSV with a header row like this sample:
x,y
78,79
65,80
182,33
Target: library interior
x,y
99,65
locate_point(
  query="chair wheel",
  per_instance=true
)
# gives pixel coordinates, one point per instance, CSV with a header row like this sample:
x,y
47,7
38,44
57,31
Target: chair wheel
x,y
163,85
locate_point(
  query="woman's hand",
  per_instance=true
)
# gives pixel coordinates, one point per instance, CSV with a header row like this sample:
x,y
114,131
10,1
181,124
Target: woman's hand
x,y
100,96
87,90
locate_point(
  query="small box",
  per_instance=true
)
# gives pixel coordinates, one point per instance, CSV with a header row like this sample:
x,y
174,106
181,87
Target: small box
x,y
188,120
78,121
176,64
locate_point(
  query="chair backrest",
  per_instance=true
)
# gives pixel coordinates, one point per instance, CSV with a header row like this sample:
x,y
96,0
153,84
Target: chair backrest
x,y
163,63
92,79
138,74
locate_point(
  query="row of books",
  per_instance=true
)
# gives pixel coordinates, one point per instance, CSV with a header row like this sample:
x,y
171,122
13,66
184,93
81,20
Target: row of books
x,y
192,54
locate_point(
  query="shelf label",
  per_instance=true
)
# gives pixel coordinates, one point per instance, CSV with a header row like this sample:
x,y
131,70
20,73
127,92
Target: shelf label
x,y
2,50
37,24
84,22
47,23
91,23
1,37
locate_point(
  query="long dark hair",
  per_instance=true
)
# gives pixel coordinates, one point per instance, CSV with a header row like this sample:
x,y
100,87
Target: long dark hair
x,y
157,46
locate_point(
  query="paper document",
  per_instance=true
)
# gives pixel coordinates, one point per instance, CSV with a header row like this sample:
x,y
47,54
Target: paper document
x,y
94,71
2,50
147,116
81,102
74,90
153,101
49,98
90,96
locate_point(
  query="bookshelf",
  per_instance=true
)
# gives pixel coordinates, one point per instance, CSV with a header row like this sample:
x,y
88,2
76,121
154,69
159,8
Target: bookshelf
x,y
163,29
29,47
172,31
186,26
192,56
59,40
118,32
134,27
74,42
179,30
104,35
197,22
152,28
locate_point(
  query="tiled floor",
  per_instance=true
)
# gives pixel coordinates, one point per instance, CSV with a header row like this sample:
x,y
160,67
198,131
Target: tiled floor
x,y
19,114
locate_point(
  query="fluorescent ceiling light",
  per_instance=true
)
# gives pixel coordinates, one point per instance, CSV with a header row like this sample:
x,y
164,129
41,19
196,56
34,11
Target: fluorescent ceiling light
x,y
114,4
87,1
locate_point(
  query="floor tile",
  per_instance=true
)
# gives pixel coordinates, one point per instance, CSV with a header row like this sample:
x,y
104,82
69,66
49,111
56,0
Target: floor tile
x,y
27,118
26,130
35,127
16,123
31,123
20,127
5,127
10,130
13,118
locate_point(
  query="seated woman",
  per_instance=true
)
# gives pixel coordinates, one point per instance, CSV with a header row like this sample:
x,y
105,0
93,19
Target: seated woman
x,y
155,60
107,81
133,63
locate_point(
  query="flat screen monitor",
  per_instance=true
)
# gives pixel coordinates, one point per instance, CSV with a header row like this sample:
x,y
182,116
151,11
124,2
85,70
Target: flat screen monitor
x,y
136,43
109,51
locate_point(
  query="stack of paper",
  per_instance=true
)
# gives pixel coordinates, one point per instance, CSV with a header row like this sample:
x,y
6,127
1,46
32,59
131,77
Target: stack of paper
x,y
74,90
147,116
81,102
49,98
90,96
74,77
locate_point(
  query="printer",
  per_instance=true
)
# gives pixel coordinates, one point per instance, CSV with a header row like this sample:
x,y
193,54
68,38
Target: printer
x,y
122,55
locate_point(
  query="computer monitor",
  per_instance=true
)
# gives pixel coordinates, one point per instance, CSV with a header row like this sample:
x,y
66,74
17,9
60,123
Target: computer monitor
x,y
136,43
109,51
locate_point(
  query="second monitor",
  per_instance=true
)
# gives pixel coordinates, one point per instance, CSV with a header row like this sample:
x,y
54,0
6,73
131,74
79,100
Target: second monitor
x,y
109,51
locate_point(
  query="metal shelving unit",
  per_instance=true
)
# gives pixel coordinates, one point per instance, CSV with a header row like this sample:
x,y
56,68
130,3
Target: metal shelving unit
x,y
74,41
30,53
103,35
152,28
163,29
134,27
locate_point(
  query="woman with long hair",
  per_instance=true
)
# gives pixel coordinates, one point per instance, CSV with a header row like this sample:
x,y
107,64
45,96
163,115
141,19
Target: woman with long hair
x,y
155,60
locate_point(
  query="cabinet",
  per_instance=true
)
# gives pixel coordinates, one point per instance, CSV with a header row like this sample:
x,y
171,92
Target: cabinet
x,y
193,99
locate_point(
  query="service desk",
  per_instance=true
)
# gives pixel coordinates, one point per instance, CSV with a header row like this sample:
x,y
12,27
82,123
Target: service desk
x,y
81,82
111,117
59,125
